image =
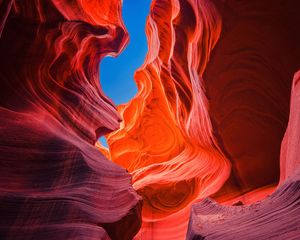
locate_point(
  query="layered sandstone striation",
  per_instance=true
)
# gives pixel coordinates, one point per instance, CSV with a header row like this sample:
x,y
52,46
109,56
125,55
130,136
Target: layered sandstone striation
x,y
166,138
54,183
248,83
275,217
253,96
209,118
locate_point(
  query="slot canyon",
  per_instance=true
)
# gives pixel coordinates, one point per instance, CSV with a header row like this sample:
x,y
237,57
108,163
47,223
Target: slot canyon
x,y
208,148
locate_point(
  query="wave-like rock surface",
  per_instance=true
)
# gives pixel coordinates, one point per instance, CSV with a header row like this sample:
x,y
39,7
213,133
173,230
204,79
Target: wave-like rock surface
x,y
54,183
213,96
166,139
277,216
248,83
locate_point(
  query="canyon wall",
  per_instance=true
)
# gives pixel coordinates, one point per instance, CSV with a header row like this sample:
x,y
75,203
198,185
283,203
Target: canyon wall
x,y
166,139
54,183
276,216
215,95
248,82
252,94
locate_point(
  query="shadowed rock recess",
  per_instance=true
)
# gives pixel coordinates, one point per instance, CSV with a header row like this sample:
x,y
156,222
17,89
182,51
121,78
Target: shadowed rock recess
x,y
253,96
217,114
276,216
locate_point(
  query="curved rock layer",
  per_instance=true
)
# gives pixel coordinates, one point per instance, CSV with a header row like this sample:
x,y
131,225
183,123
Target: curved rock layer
x,y
277,216
54,184
212,108
248,82
166,139
241,95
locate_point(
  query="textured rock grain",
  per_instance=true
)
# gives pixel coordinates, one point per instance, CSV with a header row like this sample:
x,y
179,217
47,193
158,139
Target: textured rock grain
x,y
275,217
54,183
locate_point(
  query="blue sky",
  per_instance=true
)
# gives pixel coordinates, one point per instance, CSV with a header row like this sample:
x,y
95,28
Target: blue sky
x,y
116,74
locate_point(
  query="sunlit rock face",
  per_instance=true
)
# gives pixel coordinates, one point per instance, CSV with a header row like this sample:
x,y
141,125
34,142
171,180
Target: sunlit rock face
x,y
213,93
166,139
54,184
208,120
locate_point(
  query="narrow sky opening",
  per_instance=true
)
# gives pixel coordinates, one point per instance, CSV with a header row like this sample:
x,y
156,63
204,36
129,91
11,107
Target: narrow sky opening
x,y
116,74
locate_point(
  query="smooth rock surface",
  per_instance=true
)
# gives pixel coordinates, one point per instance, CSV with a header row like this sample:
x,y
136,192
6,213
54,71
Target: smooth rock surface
x,y
54,183
275,217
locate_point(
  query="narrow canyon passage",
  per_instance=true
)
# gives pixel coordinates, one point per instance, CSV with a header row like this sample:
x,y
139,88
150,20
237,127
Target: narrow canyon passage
x,y
116,74
157,142
200,112
166,139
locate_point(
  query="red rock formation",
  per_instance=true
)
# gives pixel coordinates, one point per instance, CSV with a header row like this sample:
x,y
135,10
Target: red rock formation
x,y
166,140
193,118
277,216
248,82
54,184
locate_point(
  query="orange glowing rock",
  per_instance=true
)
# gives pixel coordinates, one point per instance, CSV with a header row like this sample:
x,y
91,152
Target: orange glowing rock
x,y
166,139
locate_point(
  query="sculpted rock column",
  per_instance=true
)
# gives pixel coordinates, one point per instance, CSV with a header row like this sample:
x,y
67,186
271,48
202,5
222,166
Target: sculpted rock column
x,y
166,140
